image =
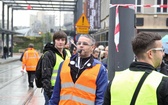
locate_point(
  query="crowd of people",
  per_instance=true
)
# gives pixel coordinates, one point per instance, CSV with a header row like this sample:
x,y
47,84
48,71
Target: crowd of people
x,y
80,76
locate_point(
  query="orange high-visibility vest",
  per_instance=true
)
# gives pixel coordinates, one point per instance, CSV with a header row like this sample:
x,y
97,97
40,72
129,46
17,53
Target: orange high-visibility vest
x,y
83,91
30,59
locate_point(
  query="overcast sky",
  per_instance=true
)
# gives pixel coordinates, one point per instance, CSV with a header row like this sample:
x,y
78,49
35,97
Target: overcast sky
x,y
22,17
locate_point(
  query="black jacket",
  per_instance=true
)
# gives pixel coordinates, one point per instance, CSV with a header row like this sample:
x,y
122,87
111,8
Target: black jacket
x,y
48,62
162,90
164,67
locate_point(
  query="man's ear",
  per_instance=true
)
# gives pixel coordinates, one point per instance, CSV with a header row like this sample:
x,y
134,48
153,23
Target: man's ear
x,y
150,54
93,47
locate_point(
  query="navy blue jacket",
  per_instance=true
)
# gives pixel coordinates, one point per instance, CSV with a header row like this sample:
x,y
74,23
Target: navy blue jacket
x,y
101,82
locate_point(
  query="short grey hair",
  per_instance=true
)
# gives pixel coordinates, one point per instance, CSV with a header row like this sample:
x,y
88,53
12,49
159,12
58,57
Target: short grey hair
x,y
89,37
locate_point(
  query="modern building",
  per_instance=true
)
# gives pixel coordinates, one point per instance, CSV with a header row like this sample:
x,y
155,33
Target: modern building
x,y
69,21
153,17
41,22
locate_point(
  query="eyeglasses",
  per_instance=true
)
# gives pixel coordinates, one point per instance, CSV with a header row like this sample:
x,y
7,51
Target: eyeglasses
x,y
158,49
84,43
95,51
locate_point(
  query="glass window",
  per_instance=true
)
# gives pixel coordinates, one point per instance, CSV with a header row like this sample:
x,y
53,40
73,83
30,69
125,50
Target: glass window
x,y
158,3
138,2
162,2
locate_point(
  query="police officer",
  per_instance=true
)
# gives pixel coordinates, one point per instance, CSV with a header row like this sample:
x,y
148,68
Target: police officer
x,y
140,84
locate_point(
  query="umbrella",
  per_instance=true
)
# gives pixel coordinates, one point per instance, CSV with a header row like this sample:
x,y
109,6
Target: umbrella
x,y
165,43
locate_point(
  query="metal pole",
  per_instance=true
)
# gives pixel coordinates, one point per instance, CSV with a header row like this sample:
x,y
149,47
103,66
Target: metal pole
x,y
120,60
8,17
7,35
79,9
3,24
11,49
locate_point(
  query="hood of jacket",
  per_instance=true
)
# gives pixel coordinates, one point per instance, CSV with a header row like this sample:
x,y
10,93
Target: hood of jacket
x,y
50,46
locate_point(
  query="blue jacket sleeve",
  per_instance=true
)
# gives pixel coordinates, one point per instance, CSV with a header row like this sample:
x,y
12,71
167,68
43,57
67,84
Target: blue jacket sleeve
x,y
55,98
102,82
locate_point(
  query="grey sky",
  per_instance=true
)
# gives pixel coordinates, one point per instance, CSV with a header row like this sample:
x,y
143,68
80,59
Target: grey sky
x,y
22,17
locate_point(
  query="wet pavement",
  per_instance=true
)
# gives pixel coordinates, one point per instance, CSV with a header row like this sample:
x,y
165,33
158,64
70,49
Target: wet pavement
x,y
14,88
15,57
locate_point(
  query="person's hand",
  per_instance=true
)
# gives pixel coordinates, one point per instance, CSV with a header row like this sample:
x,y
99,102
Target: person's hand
x,y
22,71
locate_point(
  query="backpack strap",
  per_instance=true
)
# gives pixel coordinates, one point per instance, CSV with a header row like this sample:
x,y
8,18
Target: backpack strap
x,y
139,87
53,55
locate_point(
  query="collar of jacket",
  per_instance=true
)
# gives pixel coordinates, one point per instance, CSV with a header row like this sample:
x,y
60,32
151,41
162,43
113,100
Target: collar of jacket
x,y
83,60
57,52
141,66
53,49
30,48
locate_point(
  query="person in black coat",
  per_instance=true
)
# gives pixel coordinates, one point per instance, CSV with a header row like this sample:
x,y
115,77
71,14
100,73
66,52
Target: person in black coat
x,y
164,66
5,52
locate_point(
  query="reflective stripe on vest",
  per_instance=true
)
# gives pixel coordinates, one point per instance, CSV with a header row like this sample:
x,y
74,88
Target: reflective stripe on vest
x,y
83,91
124,85
75,99
31,54
59,59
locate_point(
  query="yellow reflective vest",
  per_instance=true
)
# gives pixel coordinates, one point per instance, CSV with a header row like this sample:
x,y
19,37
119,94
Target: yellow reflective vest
x,y
125,83
68,53
59,59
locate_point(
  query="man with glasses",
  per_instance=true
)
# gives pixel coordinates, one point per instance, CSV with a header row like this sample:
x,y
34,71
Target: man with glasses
x,y
140,84
81,80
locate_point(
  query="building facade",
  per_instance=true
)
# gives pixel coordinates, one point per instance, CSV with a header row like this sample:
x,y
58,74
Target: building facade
x,y
42,22
153,19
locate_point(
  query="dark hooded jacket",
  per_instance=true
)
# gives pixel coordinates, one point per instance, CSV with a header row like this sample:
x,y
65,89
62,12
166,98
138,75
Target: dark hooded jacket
x,y
48,62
